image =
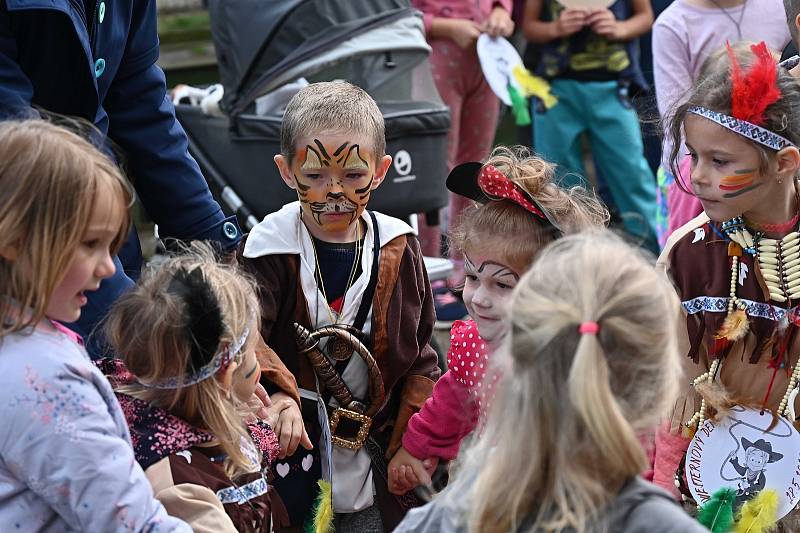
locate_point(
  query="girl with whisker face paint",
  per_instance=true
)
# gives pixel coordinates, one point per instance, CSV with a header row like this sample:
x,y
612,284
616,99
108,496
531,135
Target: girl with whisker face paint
x,y
735,266
519,210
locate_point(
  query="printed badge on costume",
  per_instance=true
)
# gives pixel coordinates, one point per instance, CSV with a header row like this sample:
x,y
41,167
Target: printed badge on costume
x,y
742,453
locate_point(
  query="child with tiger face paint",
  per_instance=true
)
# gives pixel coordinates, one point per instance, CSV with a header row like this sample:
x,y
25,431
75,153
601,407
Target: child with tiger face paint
x,y
326,260
334,174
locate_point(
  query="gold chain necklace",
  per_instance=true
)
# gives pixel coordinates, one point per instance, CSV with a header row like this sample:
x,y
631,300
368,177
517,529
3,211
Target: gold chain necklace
x,y
350,280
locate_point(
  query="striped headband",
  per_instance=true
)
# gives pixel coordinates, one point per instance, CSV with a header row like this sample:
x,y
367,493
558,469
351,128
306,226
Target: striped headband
x,y
220,360
744,128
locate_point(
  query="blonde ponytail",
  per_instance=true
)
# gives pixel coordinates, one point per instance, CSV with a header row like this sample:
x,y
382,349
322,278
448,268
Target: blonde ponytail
x,y
561,436
595,403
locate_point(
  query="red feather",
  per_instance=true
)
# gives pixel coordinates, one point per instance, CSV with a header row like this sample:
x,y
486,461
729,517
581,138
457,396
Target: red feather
x,y
758,88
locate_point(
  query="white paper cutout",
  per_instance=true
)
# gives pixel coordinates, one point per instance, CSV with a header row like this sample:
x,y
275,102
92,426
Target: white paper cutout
x,y
498,58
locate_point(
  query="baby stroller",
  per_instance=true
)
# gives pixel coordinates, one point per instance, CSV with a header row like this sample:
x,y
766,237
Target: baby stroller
x,y
263,48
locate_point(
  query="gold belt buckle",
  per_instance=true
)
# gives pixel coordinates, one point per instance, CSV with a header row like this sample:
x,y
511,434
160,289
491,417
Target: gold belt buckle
x,y
363,430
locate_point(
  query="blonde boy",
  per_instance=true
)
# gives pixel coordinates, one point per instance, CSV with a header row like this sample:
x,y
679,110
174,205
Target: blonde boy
x,y
325,260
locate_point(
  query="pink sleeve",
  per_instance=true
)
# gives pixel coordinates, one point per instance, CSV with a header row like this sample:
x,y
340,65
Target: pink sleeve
x,y
445,419
426,7
682,207
451,412
427,21
672,72
669,452
647,440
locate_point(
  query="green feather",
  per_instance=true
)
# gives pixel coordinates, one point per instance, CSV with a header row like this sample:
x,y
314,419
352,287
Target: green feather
x,y
321,520
717,513
519,106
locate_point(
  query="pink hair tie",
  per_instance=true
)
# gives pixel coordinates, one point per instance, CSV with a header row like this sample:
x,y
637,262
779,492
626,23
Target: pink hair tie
x,y
589,328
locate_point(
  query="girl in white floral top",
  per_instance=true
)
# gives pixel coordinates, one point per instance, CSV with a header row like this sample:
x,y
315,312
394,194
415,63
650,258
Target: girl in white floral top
x,y
66,462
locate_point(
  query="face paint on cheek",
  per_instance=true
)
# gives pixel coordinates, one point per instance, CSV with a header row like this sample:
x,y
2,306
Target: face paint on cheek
x,y
739,183
312,160
306,163
333,199
252,375
354,161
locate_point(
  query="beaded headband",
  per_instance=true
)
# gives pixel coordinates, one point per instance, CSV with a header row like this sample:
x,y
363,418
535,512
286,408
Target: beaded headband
x,y
221,359
202,331
746,129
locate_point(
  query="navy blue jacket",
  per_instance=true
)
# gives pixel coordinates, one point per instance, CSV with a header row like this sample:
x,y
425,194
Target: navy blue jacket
x,y
101,66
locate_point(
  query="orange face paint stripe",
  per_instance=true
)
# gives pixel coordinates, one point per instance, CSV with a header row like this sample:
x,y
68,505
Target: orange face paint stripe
x,y
740,180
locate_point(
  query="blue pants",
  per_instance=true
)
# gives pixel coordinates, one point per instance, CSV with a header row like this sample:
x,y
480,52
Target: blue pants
x,y
595,108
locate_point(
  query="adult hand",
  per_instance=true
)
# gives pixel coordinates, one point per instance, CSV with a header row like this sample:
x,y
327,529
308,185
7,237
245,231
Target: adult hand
x,y
604,23
407,472
571,21
499,23
462,32
286,420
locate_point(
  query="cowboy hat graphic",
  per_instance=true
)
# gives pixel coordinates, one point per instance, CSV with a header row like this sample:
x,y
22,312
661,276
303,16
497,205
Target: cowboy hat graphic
x,y
764,446
753,479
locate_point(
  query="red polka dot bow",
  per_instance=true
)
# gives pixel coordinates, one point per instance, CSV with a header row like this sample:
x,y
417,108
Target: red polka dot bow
x,y
496,186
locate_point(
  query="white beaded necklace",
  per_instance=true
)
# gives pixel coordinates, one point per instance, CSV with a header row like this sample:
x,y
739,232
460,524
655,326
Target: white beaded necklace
x,y
778,261
784,408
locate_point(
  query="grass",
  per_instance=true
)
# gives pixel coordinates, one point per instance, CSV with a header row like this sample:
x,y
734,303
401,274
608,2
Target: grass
x,y
180,27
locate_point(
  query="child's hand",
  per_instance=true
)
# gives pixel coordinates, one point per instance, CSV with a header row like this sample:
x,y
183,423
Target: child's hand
x,y
571,21
499,23
257,406
407,472
461,31
286,420
604,23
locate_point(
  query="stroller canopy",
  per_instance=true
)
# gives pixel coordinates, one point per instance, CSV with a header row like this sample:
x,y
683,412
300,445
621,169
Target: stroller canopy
x,y
262,45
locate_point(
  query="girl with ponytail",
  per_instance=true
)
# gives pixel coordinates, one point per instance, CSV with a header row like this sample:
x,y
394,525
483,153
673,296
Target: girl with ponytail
x,y
589,362
519,210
